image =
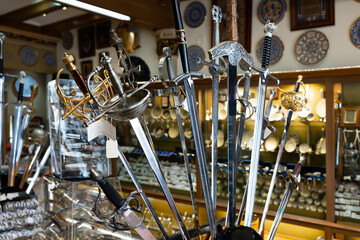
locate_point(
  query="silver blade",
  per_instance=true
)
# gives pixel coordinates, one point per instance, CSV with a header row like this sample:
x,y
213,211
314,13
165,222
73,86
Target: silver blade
x,y
280,212
24,125
16,131
132,219
141,192
186,161
155,166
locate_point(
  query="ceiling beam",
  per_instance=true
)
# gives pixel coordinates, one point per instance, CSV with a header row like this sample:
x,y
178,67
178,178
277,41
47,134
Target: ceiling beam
x,y
31,11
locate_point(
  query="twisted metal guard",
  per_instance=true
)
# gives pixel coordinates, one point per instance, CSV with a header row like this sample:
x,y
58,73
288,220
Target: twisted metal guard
x,y
112,218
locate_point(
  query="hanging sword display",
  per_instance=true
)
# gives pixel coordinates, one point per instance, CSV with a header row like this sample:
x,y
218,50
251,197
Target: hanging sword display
x,y
292,101
194,115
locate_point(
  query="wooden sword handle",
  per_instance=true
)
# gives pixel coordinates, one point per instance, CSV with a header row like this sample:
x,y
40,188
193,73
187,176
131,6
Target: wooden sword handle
x,y
232,26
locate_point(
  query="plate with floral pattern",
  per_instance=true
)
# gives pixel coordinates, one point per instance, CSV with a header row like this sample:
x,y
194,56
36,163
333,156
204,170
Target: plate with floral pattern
x,y
276,49
355,33
311,47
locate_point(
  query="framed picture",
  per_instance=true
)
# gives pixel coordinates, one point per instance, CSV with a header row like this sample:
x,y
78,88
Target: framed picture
x,y
349,117
103,34
86,42
243,20
311,13
86,68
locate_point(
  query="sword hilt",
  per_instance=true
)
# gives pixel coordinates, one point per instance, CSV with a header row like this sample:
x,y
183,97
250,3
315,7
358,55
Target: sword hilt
x,y
268,30
21,86
110,192
78,77
2,39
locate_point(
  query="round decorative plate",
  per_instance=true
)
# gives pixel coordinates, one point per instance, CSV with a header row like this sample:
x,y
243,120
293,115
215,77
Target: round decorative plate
x,y
195,52
311,47
276,50
49,58
273,10
195,14
355,33
29,81
28,55
67,39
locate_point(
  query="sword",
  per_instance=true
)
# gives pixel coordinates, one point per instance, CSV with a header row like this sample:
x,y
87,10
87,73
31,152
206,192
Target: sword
x,y
293,184
121,206
2,96
16,131
278,159
216,15
194,116
176,107
258,127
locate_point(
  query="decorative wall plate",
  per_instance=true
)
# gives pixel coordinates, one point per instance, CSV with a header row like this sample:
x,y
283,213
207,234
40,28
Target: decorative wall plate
x,y
311,47
67,39
195,14
195,52
276,50
273,10
355,33
28,55
49,58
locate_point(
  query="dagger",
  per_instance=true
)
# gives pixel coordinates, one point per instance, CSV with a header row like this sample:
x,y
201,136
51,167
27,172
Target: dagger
x,y
115,198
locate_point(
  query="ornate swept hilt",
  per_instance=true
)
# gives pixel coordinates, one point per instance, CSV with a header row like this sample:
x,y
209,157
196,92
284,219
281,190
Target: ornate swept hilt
x,y
82,107
294,99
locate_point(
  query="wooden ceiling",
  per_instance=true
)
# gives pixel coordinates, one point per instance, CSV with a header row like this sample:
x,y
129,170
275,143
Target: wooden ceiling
x,y
153,14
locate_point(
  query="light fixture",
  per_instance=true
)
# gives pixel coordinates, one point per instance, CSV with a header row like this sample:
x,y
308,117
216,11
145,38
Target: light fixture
x,y
64,8
95,9
44,14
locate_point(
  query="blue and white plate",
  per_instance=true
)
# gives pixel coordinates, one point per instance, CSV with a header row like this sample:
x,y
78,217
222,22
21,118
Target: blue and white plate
x,y
355,33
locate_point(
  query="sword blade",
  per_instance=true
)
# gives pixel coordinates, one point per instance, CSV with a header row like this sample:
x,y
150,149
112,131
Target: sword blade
x,y
186,162
155,166
132,219
276,168
141,192
16,135
24,125
255,153
280,212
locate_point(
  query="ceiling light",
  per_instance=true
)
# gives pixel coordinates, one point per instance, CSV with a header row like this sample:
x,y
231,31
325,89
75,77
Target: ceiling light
x,y
44,14
95,9
64,8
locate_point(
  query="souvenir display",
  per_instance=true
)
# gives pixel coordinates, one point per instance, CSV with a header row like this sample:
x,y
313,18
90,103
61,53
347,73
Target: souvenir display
x,y
311,47
271,10
355,33
115,133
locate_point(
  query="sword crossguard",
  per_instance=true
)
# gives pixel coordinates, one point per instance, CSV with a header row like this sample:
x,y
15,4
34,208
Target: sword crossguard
x,y
185,76
216,67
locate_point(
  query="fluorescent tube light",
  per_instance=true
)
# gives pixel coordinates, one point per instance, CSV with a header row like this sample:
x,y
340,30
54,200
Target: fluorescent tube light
x,y
95,9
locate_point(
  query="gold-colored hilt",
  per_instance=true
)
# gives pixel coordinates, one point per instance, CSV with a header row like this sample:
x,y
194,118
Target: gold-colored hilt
x,y
294,99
